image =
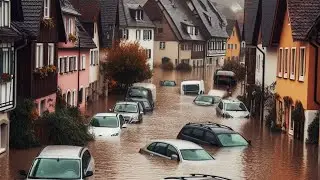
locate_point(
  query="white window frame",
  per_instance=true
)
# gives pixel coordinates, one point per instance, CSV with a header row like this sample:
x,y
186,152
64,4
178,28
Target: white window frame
x,y
74,96
149,35
138,34
46,6
285,62
301,76
280,59
39,55
50,53
293,62
91,57
83,61
5,12
70,25
67,68
139,15
162,45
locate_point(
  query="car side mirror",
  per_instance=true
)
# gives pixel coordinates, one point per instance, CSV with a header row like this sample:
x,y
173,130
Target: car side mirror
x,y
23,174
249,142
124,126
174,157
88,174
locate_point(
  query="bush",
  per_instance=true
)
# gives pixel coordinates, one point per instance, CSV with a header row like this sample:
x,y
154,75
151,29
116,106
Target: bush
x,y
22,134
183,67
313,131
66,127
236,67
167,66
165,60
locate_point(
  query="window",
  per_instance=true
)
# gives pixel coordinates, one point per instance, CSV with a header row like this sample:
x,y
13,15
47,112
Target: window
x,y
50,54
187,131
83,62
147,35
235,46
161,148
6,59
92,57
61,64
224,45
151,146
185,47
285,62
162,45
80,96
148,53
231,46
220,106
125,34
139,15
67,65
171,150
198,133
4,13
74,99
46,9
42,106
302,64
73,63
280,56
160,30
210,138
292,63
192,30
39,55
138,34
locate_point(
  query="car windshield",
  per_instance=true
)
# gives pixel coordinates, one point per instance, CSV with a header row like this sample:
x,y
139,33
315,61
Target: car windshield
x,y
191,88
195,155
105,121
232,140
168,83
138,93
239,106
44,168
129,108
208,99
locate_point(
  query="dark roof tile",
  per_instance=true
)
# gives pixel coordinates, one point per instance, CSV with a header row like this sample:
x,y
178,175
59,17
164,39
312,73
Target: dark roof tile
x,y
68,8
250,21
268,18
89,10
230,26
108,17
85,40
32,12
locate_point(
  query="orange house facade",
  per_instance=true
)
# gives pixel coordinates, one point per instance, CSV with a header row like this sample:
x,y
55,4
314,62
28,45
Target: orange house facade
x,y
234,40
296,78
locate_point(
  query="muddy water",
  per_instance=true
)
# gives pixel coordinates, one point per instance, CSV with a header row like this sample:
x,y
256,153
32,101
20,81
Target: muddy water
x,y
272,156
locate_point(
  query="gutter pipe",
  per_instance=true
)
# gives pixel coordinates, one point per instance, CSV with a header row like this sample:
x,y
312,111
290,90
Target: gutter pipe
x,y
315,45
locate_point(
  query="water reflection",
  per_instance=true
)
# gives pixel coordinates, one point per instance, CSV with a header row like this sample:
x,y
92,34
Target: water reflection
x,y
271,156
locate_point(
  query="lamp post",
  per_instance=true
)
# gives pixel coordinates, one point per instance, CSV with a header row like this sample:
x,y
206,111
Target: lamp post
x,y
78,88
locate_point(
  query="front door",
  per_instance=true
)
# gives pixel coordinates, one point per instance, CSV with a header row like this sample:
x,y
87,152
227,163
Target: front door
x,y
291,123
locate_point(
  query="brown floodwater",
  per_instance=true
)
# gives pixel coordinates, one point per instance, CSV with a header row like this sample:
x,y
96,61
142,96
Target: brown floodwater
x,y
271,156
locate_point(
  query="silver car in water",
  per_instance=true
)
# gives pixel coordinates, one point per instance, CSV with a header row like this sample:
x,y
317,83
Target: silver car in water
x,y
132,112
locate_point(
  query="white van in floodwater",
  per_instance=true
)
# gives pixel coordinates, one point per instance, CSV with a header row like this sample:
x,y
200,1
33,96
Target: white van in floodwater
x,y
150,86
192,87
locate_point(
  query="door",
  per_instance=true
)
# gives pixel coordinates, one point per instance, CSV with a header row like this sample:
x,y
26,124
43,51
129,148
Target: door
x,y
291,122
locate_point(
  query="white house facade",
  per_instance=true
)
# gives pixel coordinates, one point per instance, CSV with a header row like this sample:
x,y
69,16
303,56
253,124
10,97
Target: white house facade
x,y
94,83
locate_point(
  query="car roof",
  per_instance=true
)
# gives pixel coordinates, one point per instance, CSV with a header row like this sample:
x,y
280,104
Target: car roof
x,y
191,82
106,114
225,73
127,102
230,100
179,144
138,99
145,85
214,127
61,151
215,92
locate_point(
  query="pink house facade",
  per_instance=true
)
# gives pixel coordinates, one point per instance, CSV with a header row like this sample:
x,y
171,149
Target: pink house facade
x,y
70,67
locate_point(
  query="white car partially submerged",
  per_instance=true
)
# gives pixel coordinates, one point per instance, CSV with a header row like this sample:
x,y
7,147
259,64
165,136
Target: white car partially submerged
x,y
192,87
104,125
179,150
232,108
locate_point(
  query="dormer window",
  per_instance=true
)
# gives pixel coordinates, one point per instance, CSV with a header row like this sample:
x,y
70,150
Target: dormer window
x,y
139,15
46,9
69,24
4,13
192,30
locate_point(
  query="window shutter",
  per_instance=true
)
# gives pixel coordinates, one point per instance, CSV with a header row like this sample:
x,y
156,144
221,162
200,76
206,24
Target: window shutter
x,y
150,35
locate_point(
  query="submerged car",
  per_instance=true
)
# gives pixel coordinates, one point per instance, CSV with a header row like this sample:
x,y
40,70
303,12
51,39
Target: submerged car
x,y
178,150
229,108
212,134
198,177
131,111
206,100
104,125
218,93
168,83
140,92
61,162
144,102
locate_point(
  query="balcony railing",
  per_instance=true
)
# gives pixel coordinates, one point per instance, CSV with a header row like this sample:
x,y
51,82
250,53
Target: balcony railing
x,y
6,95
216,52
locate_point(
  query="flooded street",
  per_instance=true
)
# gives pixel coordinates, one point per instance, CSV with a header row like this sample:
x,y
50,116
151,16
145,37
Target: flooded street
x,y
271,156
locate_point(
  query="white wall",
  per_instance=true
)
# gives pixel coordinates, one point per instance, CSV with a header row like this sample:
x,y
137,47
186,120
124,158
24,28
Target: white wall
x,y
146,44
94,70
270,65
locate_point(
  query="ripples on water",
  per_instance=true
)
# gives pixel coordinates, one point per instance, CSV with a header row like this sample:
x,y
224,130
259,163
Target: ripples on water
x,y
272,156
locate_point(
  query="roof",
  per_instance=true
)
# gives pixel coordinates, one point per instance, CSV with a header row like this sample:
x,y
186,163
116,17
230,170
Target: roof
x,y
251,21
89,10
68,8
179,144
61,151
268,18
303,15
205,9
106,114
230,26
7,33
85,39
179,17
108,18
191,82
125,17
225,73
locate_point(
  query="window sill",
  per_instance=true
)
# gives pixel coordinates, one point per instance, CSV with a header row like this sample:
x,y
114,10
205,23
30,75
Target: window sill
x,y
2,150
280,75
292,77
301,78
285,75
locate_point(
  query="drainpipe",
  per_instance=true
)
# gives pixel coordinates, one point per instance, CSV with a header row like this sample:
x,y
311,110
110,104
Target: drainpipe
x,y
178,52
315,45
15,73
204,59
78,82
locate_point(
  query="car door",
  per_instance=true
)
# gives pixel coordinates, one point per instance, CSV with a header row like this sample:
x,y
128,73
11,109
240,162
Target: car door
x,y
211,139
197,136
140,110
121,120
87,162
160,149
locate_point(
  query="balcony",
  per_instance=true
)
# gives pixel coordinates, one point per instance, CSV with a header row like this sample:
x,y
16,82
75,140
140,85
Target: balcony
x,y
44,86
217,52
6,94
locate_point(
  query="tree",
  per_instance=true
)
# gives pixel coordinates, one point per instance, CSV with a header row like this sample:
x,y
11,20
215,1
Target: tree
x,y
127,64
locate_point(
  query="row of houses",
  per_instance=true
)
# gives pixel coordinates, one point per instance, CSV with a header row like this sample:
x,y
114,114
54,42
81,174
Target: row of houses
x,y
287,31
57,45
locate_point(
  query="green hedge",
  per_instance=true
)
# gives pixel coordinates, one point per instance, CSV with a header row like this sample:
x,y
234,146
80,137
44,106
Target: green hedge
x,y
313,131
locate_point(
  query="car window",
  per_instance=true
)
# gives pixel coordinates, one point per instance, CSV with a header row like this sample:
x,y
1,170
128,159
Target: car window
x,y
216,99
151,146
198,133
105,121
187,131
86,157
210,138
121,120
161,148
232,140
235,107
140,107
129,108
171,150
220,106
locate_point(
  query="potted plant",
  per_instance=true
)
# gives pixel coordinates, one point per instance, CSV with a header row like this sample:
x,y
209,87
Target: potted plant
x,y
6,77
48,23
41,72
52,69
72,38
